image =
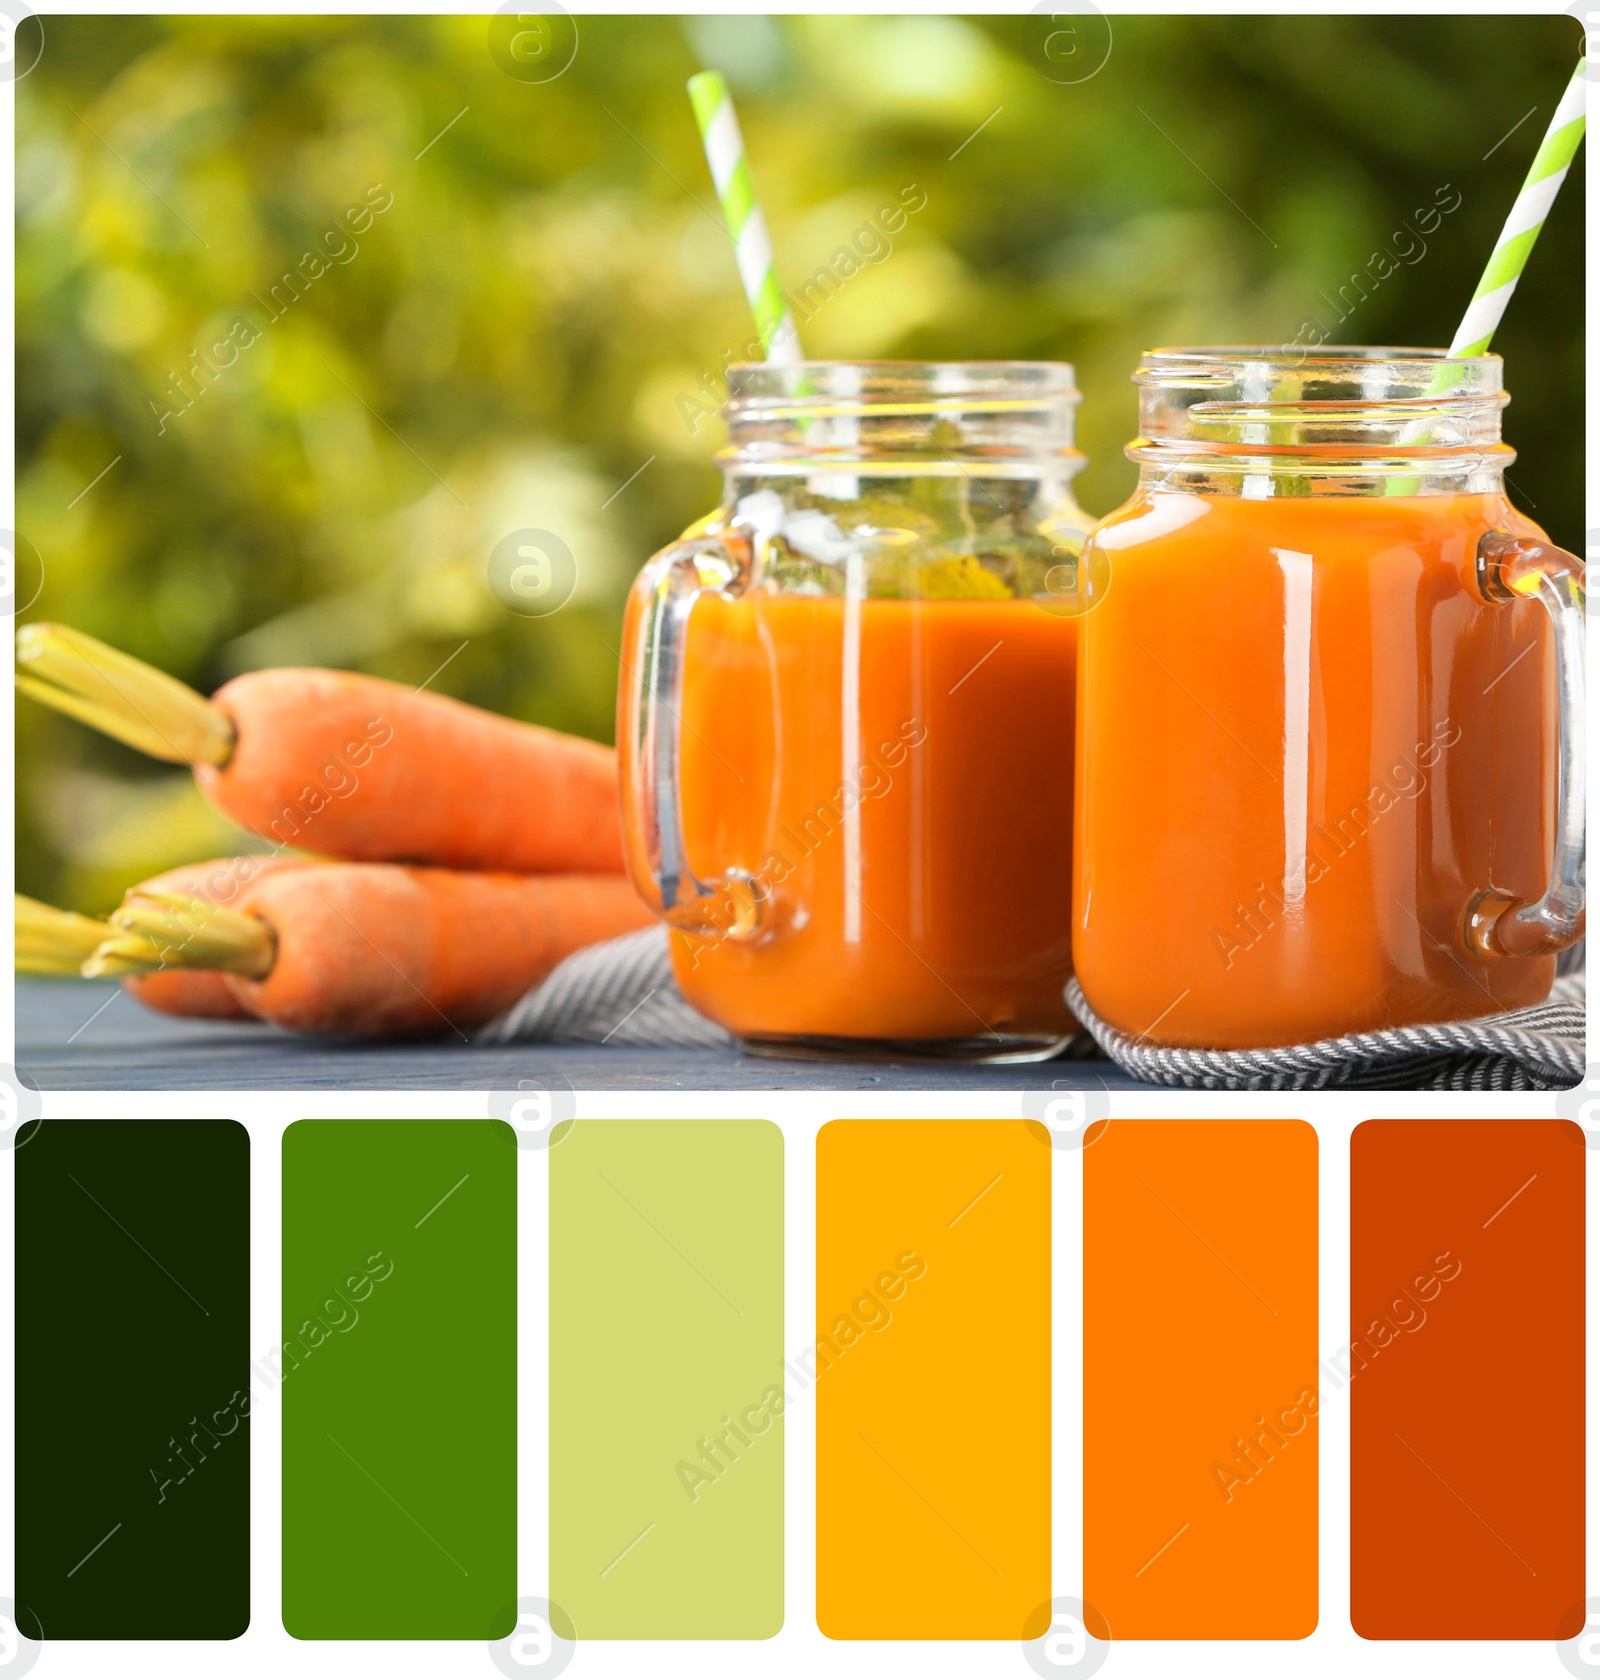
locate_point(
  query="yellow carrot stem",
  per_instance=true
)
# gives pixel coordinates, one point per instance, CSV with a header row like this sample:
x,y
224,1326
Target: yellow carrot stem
x,y
173,930
121,696
128,953
130,730
51,941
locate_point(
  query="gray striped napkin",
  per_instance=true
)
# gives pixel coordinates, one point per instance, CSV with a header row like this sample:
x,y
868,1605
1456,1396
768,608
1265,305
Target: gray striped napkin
x,y
623,992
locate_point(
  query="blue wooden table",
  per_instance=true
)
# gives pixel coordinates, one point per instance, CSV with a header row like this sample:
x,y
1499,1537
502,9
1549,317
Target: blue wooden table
x,y
88,1035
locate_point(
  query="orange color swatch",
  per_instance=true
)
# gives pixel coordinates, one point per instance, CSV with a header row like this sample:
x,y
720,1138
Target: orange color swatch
x,y
1200,1379
932,1369
1467,1379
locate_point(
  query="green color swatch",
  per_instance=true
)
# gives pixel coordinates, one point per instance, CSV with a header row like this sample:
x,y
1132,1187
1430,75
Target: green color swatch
x,y
399,1379
133,1379
666,1379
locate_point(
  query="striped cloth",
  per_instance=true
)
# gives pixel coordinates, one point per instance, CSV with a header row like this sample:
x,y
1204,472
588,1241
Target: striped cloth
x,y
1538,1049
623,993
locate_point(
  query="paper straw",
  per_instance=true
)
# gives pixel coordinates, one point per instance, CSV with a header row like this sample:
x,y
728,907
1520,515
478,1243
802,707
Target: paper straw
x,y
752,246
1522,225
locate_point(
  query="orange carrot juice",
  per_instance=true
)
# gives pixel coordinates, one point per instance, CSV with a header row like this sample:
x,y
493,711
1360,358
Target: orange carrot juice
x,y
844,724
896,775
1306,743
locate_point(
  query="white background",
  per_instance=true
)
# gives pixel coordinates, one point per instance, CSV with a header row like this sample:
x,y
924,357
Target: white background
x,y
799,1650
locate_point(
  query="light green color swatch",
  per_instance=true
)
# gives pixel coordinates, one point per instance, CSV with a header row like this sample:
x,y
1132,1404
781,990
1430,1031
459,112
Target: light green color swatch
x,y
667,1379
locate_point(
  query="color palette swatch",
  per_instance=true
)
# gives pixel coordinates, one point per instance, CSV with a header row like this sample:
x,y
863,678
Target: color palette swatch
x,y
667,1379
932,1371
399,1379
1467,1379
1200,1379
672,1383
132,1380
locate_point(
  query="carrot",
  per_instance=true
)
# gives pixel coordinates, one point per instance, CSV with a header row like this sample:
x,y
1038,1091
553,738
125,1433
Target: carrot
x,y
348,764
375,948
51,941
197,993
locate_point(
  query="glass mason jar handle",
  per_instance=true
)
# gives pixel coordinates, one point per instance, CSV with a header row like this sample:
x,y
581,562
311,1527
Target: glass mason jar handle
x,y
1512,569
649,738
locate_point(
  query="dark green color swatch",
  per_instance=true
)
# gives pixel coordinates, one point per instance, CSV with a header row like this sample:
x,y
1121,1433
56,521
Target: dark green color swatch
x,y
132,1379
399,1379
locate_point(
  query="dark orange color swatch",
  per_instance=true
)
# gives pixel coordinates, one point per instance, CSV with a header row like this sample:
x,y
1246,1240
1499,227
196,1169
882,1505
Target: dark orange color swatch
x,y
1200,1379
1466,1379
932,1369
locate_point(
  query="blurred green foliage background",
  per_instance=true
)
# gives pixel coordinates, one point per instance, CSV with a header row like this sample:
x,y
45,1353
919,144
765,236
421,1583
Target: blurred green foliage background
x,y
549,299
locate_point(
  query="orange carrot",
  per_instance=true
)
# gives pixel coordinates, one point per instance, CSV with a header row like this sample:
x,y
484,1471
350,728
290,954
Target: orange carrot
x,y
375,948
348,764
51,941
201,994
195,994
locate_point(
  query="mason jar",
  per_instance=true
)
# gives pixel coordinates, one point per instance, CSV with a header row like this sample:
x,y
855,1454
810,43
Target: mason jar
x,y
846,715
1330,707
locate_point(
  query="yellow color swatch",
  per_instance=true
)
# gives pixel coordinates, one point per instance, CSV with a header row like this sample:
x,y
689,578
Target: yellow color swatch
x,y
933,1379
1200,1382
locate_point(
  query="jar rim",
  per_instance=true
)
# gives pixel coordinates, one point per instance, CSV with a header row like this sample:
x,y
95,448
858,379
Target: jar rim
x,y
1249,394
1335,355
1245,372
870,381
1344,418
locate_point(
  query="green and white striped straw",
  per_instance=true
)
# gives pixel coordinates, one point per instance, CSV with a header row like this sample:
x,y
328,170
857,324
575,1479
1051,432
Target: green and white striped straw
x,y
752,245
1522,225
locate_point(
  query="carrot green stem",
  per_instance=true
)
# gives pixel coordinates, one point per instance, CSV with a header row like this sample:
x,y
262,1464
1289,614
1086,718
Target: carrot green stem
x,y
51,941
121,696
172,930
